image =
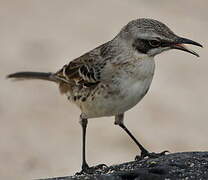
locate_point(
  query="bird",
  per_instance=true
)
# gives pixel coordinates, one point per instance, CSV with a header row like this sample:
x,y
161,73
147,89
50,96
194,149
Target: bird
x,y
113,77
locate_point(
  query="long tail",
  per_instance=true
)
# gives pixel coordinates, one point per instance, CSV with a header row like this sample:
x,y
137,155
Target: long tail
x,y
33,75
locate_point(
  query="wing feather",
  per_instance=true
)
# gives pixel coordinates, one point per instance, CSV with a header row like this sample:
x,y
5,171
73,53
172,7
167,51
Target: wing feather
x,y
87,69
84,70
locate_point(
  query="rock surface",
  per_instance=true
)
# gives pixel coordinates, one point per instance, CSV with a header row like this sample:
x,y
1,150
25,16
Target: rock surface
x,y
185,165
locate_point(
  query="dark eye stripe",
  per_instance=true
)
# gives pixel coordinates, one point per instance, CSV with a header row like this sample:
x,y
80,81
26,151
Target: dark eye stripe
x,y
142,45
165,44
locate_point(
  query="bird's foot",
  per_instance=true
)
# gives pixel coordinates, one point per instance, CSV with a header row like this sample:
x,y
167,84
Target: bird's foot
x,y
91,170
150,155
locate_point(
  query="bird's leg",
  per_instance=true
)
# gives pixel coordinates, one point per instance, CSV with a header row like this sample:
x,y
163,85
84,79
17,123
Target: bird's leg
x,y
83,122
119,121
85,166
144,152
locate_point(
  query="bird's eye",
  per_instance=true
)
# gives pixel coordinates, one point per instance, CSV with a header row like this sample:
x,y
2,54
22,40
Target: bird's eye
x,y
154,43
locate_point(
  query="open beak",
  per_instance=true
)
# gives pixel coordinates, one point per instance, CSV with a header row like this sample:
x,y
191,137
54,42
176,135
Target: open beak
x,y
179,44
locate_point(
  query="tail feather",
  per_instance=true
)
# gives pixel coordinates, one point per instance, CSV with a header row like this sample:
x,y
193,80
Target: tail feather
x,y
33,75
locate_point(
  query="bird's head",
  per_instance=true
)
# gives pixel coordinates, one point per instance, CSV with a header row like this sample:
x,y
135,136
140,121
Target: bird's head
x,y
151,37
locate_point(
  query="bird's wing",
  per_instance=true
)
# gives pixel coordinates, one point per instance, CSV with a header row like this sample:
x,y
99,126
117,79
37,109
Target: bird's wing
x,y
85,70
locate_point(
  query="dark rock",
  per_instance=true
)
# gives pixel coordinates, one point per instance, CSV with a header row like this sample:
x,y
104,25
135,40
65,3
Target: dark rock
x,y
185,165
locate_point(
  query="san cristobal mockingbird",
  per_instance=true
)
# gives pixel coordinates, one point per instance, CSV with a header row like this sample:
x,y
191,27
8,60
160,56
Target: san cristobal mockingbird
x,y
112,78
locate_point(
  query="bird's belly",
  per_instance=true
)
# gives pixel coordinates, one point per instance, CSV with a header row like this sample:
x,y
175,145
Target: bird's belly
x,y
126,91
116,103
135,93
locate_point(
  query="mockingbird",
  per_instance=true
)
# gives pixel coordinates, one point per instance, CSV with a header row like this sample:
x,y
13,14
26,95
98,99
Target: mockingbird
x,y
114,77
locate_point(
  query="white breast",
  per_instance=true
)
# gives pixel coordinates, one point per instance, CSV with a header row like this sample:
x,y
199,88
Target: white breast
x,y
131,84
135,87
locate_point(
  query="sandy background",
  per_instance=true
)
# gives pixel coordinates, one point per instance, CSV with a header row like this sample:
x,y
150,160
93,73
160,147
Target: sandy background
x,y
39,131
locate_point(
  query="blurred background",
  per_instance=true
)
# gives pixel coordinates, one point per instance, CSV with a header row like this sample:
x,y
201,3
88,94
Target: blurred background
x,y
39,131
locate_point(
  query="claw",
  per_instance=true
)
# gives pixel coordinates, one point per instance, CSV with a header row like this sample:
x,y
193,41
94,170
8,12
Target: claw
x,y
101,166
150,155
156,155
92,170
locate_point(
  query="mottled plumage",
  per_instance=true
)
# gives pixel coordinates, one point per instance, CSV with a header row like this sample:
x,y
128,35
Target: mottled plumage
x,y
114,77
